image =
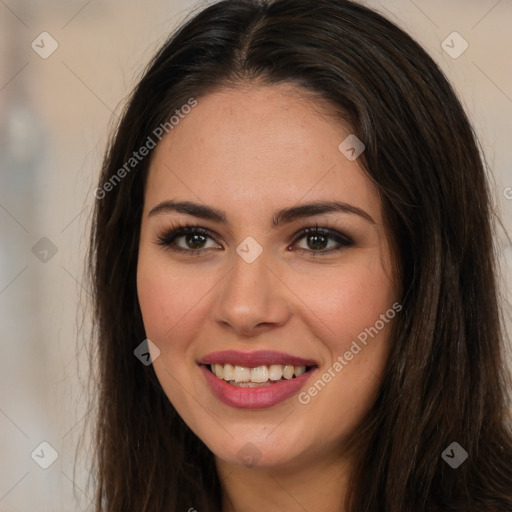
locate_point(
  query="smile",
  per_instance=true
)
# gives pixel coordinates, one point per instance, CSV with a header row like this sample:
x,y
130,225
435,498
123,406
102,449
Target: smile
x,y
244,376
253,380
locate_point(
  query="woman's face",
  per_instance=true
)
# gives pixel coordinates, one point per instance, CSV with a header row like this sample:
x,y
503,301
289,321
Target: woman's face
x,y
255,295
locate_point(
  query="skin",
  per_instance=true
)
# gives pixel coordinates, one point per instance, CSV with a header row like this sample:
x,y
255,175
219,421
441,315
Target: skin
x,y
250,151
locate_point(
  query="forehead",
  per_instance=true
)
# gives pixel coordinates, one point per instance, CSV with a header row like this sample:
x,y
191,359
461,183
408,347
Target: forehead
x,y
251,147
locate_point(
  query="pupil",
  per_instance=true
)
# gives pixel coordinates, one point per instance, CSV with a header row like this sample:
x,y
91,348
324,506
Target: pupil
x,y
195,241
317,241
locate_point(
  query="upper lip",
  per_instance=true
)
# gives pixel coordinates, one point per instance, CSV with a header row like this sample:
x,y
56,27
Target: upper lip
x,y
255,358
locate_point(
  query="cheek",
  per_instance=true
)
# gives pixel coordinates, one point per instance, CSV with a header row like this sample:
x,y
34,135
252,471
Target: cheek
x,y
164,298
155,300
358,342
167,305
347,300
174,304
351,312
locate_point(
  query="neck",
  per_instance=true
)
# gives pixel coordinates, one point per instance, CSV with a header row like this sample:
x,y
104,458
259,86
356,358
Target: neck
x,y
294,487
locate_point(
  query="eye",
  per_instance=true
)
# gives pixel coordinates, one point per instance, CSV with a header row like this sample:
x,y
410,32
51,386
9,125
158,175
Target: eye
x,y
322,240
194,239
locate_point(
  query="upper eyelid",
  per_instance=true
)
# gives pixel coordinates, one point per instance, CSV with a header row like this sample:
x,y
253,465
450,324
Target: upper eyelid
x,y
332,233
196,227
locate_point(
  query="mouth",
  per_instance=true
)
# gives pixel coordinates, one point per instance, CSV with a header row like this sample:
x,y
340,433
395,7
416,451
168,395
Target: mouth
x,y
253,380
259,376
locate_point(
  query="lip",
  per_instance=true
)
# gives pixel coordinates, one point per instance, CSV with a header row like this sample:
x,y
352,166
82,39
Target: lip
x,y
258,397
255,358
254,398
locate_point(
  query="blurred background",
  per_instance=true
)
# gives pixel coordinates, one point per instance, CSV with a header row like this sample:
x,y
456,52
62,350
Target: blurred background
x,y
66,68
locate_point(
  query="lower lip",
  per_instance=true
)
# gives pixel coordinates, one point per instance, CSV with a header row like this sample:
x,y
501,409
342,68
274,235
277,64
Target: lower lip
x,y
254,398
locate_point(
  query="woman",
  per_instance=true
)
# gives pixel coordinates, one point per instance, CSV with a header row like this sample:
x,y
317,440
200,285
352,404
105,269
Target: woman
x,y
293,225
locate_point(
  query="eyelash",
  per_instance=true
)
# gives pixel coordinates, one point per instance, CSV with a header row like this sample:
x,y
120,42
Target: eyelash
x,y
167,238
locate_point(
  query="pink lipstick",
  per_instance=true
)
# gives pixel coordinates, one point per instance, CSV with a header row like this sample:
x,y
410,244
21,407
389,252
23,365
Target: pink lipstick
x,y
257,379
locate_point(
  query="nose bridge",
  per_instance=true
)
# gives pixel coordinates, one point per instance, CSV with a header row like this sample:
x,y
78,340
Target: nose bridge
x,y
248,282
252,271
251,295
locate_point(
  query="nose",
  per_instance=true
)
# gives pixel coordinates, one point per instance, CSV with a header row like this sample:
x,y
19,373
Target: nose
x,y
252,298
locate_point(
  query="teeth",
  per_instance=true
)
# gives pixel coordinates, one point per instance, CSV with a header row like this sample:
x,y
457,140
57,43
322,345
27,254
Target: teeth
x,y
259,375
242,374
275,372
218,369
250,384
288,371
299,370
229,372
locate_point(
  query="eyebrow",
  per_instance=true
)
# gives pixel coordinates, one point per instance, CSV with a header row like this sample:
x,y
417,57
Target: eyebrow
x,y
283,216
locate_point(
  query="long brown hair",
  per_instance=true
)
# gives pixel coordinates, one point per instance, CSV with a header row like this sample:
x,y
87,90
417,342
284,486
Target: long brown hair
x,y
445,380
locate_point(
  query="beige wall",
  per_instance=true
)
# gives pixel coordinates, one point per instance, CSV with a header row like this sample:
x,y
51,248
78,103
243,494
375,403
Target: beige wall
x,y
55,116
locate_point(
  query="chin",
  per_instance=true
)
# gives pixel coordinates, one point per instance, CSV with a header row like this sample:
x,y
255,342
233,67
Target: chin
x,y
259,447
250,455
